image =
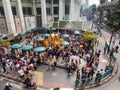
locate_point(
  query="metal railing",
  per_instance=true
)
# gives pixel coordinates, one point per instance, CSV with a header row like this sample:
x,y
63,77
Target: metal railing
x,y
93,81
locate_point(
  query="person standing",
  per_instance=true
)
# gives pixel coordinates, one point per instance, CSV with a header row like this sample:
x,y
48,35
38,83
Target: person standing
x,y
77,78
78,74
116,48
98,77
105,50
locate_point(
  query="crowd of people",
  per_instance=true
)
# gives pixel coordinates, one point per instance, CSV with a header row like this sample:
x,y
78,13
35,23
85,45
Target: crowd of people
x,y
22,65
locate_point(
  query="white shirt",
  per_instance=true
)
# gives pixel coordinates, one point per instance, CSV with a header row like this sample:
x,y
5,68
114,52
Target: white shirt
x,y
21,72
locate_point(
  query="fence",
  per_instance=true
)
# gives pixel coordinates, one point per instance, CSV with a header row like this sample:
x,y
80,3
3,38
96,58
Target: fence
x,y
94,80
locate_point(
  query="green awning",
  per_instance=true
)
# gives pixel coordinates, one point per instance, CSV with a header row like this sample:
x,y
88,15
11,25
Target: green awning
x,y
62,23
77,24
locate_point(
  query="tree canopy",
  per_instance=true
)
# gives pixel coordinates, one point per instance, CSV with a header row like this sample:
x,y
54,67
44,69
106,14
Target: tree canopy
x,y
89,35
115,16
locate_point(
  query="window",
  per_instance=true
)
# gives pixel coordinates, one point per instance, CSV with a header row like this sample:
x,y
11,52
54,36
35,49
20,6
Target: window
x,y
14,11
29,9
66,9
24,10
48,11
1,11
38,11
56,10
48,1
55,1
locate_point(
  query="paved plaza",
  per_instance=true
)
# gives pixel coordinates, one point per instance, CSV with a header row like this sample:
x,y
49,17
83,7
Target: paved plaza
x,y
58,77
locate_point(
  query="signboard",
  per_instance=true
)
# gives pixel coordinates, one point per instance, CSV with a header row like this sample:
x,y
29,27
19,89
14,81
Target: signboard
x,y
49,21
84,17
30,22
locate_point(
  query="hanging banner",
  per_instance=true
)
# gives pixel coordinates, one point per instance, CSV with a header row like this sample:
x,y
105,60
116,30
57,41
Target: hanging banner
x,y
3,26
30,22
18,24
49,21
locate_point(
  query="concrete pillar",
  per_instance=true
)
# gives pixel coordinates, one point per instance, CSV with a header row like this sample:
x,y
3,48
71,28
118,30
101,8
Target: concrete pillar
x,y
52,9
61,9
9,17
72,10
20,13
44,16
34,8
77,10
34,12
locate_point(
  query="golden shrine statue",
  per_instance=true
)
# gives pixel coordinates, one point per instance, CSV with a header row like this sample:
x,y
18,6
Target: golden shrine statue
x,y
54,39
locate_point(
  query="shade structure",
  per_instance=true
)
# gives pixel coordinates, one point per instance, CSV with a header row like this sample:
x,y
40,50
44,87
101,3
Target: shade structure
x,y
39,39
65,35
64,43
29,30
45,28
52,29
26,48
21,33
76,32
39,49
46,35
16,46
34,29
39,28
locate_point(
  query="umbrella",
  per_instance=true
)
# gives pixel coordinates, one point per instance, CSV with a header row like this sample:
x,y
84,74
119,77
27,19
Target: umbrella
x,y
26,48
64,43
39,39
21,33
29,30
46,35
76,32
16,46
34,29
45,28
73,57
38,28
65,35
39,49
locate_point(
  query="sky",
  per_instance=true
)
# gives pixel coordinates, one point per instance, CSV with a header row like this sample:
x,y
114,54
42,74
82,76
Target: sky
x,y
91,2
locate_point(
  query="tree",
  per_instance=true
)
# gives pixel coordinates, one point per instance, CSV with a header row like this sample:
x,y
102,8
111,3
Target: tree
x,y
115,16
89,35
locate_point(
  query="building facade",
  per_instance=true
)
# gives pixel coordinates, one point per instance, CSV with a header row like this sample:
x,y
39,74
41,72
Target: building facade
x,y
106,7
20,15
